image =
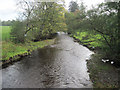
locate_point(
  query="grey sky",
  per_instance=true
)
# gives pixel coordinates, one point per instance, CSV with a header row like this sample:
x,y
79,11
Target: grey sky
x,y
8,9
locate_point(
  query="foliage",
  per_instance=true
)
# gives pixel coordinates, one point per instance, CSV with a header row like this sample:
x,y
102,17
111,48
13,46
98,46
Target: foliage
x,y
73,6
50,18
75,20
89,39
108,30
43,19
102,20
17,32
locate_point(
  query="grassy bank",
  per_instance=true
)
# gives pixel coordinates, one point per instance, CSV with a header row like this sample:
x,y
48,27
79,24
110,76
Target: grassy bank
x,y
103,75
90,40
12,51
9,49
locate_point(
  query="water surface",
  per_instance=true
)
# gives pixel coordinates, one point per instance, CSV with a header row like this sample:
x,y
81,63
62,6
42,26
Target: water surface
x,y
61,65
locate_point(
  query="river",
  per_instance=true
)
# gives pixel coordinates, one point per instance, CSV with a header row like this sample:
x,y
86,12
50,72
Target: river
x,y
61,65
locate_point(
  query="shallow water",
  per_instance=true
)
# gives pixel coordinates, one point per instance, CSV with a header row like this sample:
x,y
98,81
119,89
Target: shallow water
x,y
61,65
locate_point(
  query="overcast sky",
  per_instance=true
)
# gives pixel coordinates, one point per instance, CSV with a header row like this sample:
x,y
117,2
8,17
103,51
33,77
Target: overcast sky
x,y
8,9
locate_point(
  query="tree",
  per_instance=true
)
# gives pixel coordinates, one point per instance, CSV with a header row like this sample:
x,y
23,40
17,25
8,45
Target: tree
x,y
8,23
73,6
49,17
74,20
42,19
116,6
17,32
103,20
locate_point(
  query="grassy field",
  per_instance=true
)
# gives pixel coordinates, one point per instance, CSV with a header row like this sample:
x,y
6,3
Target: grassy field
x,y
5,32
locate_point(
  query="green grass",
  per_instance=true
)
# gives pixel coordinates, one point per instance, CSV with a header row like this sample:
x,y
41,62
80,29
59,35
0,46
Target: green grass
x,y
5,32
9,49
93,40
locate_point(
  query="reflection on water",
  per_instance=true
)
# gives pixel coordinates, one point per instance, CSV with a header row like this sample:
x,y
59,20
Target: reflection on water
x,y
61,65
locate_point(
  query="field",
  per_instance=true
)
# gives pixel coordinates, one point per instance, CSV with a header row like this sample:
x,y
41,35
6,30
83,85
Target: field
x,y
5,32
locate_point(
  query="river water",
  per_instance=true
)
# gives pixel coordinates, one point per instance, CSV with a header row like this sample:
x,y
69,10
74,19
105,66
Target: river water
x,y
61,65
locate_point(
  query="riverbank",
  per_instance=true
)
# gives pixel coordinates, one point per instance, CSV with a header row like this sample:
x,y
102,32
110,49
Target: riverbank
x,y
14,52
102,74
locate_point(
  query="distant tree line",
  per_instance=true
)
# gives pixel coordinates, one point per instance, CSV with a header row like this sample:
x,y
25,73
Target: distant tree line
x,y
7,23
